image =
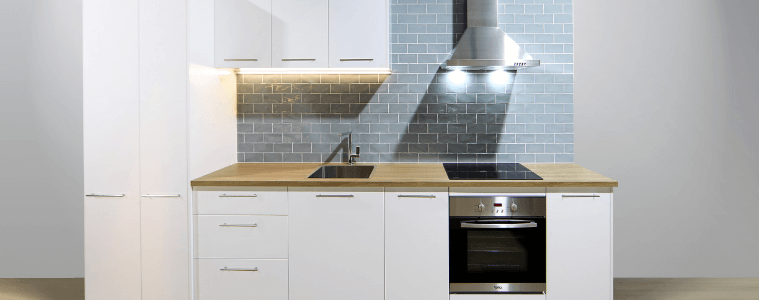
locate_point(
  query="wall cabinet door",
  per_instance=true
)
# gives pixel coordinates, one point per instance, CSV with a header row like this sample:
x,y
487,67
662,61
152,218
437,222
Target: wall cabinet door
x,y
416,243
358,34
111,149
242,33
336,243
163,150
579,258
300,33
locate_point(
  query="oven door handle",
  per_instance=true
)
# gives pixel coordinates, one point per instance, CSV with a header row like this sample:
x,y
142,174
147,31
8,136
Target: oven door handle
x,y
474,224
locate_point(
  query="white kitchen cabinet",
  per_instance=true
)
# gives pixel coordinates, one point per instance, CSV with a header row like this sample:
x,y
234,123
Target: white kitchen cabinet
x,y
242,33
258,201
416,243
336,246
579,241
163,150
358,34
111,149
300,33
225,279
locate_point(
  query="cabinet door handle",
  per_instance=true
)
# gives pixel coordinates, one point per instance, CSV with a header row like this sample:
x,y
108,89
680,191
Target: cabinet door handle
x,y
334,196
100,195
239,270
416,196
237,196
298,59
239,225
581,196
240,59
162,196
356,59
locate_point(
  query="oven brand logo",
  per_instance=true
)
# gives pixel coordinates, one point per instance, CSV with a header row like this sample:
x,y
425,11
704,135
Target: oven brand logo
x,y
497,287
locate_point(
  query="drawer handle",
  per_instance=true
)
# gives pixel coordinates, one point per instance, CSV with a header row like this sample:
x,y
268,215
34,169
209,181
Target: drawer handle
x,y
239,225
298,59
237,196
100,195
240,59
334,196
239,270
580,196
161,196
356,59
416,196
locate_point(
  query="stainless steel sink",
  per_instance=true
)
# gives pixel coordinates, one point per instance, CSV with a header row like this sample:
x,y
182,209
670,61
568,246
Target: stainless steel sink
x,y
343,172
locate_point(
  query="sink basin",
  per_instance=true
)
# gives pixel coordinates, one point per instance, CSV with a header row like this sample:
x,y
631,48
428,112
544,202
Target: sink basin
x,y
343,172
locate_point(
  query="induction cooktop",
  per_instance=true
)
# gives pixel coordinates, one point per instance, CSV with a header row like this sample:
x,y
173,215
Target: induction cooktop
x,y
489,171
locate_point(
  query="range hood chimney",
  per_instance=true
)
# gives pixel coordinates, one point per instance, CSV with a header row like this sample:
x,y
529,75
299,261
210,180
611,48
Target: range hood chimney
x,y
485,47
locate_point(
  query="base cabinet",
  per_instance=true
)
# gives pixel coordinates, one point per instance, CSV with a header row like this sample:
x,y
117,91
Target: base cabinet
x,y
336,243
416,243
579,241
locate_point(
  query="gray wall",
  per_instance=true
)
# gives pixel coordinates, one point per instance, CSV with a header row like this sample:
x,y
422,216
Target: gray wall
x,y
667,104
41,165
421,113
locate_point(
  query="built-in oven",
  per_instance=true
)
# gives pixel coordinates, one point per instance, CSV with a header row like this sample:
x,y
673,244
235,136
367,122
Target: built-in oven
x,y
497,244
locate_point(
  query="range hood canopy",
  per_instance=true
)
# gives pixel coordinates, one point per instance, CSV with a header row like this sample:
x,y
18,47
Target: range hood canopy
x,y
485,47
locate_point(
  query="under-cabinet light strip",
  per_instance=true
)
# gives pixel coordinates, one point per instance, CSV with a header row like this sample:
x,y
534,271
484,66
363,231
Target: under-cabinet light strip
x,y
312,71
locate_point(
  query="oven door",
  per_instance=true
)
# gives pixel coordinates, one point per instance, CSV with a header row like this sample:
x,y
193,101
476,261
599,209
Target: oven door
x,y
495,254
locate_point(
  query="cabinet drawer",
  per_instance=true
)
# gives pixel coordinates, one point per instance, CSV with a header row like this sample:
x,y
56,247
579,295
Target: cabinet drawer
x,y
498,297
269,281
271,201
241,236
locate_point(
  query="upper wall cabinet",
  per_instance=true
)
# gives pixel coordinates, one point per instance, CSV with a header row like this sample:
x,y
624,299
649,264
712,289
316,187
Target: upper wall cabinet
x,y
358,34
242,32
301,34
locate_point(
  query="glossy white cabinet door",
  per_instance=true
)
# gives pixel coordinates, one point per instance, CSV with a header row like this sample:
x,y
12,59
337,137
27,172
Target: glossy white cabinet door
x,y
163,149
336,243
416,243
300,32
242,33
579,239
358,34
111,149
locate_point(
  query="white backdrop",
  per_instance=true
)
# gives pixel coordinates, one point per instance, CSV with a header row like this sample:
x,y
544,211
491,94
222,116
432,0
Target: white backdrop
x,y
667,102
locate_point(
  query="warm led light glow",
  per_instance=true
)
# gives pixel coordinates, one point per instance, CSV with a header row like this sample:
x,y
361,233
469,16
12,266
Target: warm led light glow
x,y
457,76
499,76
222,72
312,71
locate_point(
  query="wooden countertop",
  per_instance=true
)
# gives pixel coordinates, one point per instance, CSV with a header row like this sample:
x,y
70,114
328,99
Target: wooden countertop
x,y
395,175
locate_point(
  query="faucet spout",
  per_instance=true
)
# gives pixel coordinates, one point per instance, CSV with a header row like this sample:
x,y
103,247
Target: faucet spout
x,y
351,157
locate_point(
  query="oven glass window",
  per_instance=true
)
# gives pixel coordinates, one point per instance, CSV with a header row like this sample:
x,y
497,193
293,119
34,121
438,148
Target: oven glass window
x,y
502,255
495,251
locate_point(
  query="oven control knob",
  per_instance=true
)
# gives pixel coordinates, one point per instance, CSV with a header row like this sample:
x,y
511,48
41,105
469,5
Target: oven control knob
x,y
481,207
514,207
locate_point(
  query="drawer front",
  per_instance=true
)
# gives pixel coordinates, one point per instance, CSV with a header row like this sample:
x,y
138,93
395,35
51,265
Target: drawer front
x,y
269,281
498,297
271,201
241,236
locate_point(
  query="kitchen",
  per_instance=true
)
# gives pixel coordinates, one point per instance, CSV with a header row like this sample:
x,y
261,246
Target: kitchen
x,y
207,120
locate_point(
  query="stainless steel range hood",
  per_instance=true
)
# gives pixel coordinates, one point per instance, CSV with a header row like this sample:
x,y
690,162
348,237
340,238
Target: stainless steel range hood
x,y
485,47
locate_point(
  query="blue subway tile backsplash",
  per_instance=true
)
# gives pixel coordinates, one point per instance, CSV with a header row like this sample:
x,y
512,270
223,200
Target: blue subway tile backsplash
x,y
421,113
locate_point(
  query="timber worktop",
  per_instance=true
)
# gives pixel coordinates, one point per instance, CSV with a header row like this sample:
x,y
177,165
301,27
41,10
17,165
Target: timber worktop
x,y
395,175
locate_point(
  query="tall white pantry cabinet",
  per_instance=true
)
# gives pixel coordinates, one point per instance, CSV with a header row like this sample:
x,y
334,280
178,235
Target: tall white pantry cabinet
x,y
135,149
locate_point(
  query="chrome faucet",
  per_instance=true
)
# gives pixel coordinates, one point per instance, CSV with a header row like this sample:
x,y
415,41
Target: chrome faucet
x,y
351,157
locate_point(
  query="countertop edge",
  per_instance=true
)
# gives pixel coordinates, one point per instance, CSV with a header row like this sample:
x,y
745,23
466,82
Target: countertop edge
x,y
333,183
